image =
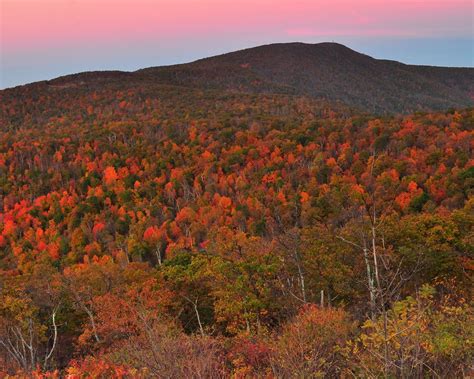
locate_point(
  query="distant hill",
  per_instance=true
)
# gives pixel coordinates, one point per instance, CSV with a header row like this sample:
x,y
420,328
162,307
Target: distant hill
x,y
331,71
326,70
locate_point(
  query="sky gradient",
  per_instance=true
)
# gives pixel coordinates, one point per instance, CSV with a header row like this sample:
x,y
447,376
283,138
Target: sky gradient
x,y
43,39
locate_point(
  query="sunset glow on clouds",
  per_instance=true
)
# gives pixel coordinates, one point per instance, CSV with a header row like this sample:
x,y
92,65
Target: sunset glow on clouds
x,y
46,38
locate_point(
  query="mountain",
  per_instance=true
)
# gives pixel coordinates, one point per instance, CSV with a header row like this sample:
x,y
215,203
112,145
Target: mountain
x,y
331,71
326,70
149,229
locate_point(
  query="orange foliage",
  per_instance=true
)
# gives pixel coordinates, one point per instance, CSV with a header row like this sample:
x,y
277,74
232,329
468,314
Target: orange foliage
x,y
110,175
304,197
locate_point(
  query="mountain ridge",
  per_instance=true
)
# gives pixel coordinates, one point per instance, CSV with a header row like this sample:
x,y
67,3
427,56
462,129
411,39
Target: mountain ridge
x,y
326,70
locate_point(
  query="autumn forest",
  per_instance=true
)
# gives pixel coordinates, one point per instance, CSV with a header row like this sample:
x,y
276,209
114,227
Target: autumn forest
x,y
155,230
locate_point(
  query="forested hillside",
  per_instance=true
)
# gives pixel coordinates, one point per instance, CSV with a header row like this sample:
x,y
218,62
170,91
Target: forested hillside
x,y
160,231
326,70
322,71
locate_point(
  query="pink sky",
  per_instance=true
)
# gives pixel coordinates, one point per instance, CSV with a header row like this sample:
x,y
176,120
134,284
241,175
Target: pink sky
x,y
47,26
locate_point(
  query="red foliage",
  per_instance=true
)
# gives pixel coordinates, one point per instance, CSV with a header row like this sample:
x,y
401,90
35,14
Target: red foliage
x,y
152,234
98,227
110,175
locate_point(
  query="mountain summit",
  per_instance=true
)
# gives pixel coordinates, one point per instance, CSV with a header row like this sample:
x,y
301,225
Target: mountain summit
x,y
325,70
328,70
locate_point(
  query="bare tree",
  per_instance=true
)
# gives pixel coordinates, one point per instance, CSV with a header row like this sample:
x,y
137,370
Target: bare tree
x,y
23,342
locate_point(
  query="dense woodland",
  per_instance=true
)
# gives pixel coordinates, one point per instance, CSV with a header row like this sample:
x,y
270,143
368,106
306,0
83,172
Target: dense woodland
x,y
159,231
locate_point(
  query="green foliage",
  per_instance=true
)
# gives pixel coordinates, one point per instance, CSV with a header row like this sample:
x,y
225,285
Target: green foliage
x,y
419,333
